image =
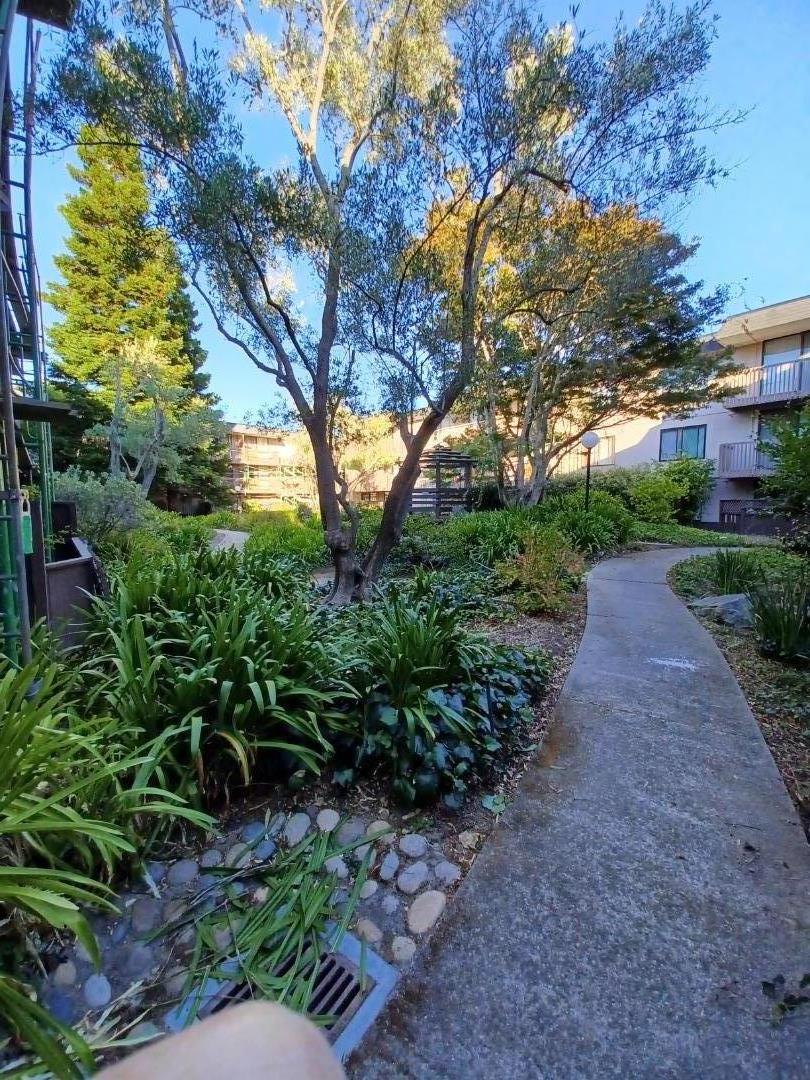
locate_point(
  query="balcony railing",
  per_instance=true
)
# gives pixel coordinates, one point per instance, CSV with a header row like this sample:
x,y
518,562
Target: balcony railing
x,y
743,459
777,382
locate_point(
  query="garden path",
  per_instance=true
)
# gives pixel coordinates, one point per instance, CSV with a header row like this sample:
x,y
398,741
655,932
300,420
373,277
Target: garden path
x,y
224,539
649,875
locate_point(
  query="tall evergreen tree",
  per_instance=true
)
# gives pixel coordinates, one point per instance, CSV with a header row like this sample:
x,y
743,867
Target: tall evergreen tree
x,y
122,283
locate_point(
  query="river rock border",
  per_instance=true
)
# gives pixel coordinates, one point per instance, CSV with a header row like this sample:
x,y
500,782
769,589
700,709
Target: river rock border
x,y
145,947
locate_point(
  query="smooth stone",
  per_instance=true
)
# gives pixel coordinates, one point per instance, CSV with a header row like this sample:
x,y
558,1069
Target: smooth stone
x,y
223,938
469,839
60,1005
368,931
237,888
175,983
733,609
212,857
359,853
183,872
207,880
390,904
351,830
145,1030
413,878
140,960
265,850
65,974
447,873
425,910
97,991
156,871
238,856
296,829
277,822
368,889
119,932
403,949
380,831
327,820
82,953
337,866
389,867
413,845
174,910
253,830
145,914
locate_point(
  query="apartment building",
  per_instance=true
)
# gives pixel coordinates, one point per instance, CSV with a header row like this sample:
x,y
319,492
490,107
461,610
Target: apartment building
x,y
270,467
771,345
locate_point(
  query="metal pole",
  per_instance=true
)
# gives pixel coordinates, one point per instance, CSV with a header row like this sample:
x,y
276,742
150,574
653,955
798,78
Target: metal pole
x,y
588,479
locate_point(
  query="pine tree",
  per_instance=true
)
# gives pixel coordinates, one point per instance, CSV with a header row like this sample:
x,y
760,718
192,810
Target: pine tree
x,y
122,282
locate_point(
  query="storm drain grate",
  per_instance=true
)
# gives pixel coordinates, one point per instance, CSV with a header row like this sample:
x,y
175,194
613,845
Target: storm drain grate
x,y
351,1002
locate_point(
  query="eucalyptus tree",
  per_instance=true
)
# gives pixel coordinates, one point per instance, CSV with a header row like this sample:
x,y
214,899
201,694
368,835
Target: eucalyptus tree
x,y
404,115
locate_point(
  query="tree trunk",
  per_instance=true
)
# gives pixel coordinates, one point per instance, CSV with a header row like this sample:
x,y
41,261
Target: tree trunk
x,y
396,506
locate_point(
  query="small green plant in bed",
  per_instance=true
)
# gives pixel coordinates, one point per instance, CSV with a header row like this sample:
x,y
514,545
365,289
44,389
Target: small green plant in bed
x,y
544,576
439,703
712,575
72,810
782,618
734,571
588,531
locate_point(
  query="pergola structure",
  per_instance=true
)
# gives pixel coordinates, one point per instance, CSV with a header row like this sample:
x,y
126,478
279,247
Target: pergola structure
x,y
445,484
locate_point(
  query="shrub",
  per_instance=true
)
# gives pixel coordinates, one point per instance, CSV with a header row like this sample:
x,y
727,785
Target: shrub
x,y
69,806
734,571
105,505
782,618
587,530
296,540
220,676
656,495
545,575
694,477
438,702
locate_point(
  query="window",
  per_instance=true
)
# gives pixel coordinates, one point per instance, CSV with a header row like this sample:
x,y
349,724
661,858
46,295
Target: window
x,y
785,350
683,442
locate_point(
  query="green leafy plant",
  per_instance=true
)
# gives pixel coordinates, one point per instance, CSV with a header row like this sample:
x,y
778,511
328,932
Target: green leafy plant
x,y
782,618
545,574
588,531
734,571
105,505
438,702
655,496
695,477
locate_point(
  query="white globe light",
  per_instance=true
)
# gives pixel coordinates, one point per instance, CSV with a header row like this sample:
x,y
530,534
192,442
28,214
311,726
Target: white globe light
x,y
589,440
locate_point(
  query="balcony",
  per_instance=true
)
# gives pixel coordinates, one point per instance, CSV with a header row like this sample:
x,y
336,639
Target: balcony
x,y
768,385
742,460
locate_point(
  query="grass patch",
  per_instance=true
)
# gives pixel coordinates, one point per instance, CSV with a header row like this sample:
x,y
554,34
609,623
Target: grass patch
x,y
689,536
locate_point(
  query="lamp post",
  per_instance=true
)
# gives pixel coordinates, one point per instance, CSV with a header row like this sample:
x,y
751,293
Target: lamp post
x,y
589,440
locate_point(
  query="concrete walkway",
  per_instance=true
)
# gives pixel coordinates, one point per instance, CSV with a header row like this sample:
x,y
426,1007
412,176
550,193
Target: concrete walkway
x,y
225,539
649,875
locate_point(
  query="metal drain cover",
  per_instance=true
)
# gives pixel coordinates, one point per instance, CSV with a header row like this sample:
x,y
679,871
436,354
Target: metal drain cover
x,y
352,1003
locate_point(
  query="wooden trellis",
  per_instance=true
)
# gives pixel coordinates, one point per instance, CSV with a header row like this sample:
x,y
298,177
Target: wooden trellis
x,y
445,484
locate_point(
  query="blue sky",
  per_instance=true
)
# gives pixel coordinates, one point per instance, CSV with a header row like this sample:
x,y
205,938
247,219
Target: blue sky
x,y
754,229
